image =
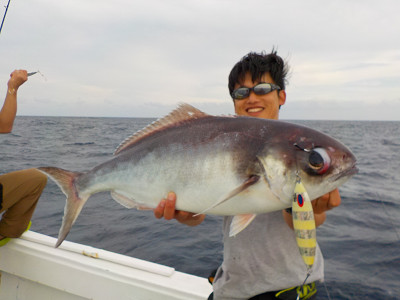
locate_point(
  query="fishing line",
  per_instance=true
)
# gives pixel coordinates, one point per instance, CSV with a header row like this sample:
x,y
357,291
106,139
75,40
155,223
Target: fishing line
x,y
326,290
308,275
389,217
4,17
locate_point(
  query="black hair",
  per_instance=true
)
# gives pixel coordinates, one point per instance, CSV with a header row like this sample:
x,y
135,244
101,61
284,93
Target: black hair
x,y
257,64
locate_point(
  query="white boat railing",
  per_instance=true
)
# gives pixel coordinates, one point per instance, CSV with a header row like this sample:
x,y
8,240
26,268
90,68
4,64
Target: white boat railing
x,y
100,254
31,268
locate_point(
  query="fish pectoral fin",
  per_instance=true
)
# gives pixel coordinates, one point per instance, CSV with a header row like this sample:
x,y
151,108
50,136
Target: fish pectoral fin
x,y
249,182
239,223
127,202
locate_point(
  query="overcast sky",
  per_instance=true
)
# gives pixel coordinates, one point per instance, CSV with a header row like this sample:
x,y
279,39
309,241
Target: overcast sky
x,y
133,58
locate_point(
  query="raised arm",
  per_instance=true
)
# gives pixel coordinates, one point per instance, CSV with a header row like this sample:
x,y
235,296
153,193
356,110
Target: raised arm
x,y
9,109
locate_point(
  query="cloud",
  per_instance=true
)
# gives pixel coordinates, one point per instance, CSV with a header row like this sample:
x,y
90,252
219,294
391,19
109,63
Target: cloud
x,y
340,110
128,58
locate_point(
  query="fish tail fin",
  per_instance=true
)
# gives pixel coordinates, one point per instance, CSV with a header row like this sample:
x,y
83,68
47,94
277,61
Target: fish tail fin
x,y
74,202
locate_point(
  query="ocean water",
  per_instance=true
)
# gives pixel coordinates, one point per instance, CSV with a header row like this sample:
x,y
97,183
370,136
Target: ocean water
x,y
360,239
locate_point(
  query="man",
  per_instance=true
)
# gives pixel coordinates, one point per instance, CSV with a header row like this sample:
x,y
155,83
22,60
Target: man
x,y
20,190
263,262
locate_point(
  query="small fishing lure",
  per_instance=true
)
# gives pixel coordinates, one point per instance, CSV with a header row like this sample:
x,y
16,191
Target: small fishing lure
x,y
304,225
37,72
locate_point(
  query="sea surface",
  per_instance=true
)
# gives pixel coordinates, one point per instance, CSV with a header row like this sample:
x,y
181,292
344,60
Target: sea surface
x,y
360,239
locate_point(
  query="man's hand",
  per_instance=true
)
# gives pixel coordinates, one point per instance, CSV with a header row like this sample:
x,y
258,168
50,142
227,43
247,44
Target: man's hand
x,y
326,202
323,204
166,209
17,78
9,109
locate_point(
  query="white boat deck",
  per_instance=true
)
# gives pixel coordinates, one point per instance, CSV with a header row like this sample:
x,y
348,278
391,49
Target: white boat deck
x,y
31,268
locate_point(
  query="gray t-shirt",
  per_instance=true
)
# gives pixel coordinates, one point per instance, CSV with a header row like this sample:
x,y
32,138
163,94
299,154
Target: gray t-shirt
x,y
263,257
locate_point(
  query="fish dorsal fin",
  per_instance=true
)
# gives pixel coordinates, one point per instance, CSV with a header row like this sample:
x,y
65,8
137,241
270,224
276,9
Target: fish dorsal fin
x,y
183,113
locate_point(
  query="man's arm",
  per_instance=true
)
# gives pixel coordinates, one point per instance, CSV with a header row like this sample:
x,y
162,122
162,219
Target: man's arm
x,y
320,206
166,209
9,109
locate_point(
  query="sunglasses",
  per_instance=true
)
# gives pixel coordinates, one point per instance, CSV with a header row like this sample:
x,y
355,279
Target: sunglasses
x,y
259,89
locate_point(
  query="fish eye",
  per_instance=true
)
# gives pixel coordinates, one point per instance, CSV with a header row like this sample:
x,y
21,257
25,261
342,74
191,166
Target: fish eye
x,y
319,160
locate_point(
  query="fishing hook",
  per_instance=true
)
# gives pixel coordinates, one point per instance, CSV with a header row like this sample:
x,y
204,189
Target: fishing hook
x,y
303,149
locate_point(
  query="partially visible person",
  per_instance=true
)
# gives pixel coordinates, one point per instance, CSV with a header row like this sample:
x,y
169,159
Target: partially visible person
x,y
19,190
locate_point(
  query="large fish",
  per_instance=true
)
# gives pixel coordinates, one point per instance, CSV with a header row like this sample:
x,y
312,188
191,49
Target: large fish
x,y
224,165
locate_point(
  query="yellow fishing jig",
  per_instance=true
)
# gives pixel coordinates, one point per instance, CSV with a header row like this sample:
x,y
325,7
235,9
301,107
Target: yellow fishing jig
x,y
304,224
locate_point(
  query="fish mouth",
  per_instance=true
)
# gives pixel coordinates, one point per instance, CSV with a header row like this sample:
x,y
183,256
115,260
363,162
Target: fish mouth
x,y
346,173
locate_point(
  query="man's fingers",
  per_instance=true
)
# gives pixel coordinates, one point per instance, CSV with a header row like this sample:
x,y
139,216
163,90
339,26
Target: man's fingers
x,y
159,210
327,202
334,199
169,210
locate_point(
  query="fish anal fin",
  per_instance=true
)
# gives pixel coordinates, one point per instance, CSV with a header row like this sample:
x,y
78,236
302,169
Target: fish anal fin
x,y
127,202
239,223
183,113
246,184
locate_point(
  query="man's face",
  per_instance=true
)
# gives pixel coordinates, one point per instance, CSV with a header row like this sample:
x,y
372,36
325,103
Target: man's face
x,y
260,106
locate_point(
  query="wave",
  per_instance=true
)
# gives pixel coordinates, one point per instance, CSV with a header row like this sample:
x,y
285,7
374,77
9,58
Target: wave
x,y
80,144
387,142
